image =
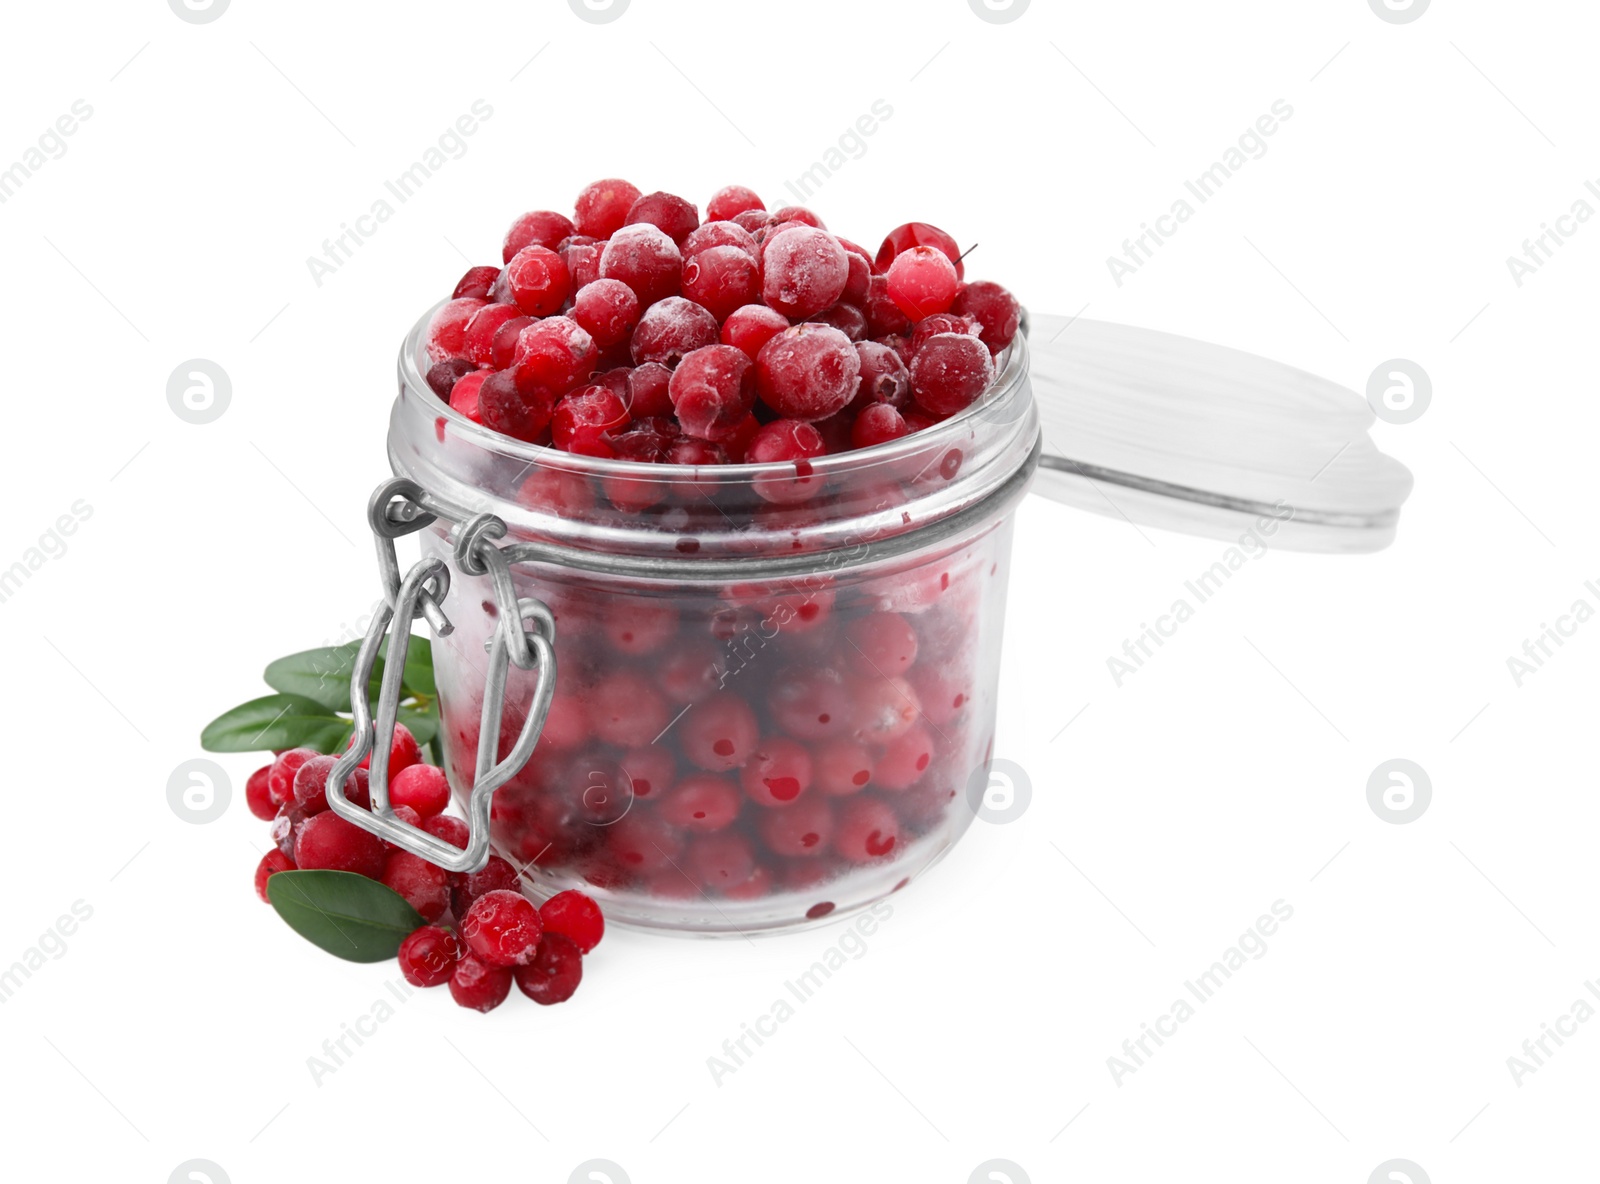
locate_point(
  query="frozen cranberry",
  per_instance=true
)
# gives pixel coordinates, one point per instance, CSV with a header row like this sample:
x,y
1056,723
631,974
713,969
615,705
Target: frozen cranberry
x,y
271,864
884,377
425,886
922,282
720,861
602,206
645,259
690,672
554,972
846,318
885,708
950,372
942,690
841,767
730,201
607,310
994,308
792,442
721,234
476,284
258,796
478,984
648,390
751,327
777,773
503,351
424,788
633,495
494,876
329,842
880,645
428,956
738,444
722,279
637,625
538,280
464,395
918,234
676,218
810,703
514,409
687,450
861,272
643,442
286,827
502,927
582,257
884,317
712,390
585,417
452,830
541,228
672,328
917,420
448,329
808,372
311,786
651,769
626,710
556,354
442,376
798,214
804,270
643,842
877,424
281,774
905,760
719,733
481,329
805,830
574,916
701,803
404,751
759,885
865,829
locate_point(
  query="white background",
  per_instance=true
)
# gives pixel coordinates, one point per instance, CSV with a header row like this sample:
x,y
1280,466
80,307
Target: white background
x,y
1168,815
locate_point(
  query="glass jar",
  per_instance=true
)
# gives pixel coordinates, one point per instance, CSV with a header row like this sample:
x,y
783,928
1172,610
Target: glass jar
x,y
774,683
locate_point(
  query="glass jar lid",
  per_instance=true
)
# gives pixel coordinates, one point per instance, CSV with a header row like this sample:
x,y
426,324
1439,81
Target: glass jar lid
x,y
1178,434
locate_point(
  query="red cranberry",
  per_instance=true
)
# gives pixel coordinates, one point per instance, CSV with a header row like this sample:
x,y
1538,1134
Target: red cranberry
x,y
719,733
865,829
607,309
689,673
538,280
808,372
905,760
810,703
804,270
425,886
286,826
478,984
521,412
689,451
884,377
950,372
281,775
880,645
860,281
918,234
542,228
701,803
676,218
424,788
464,395
884,317
311,786
922,282
672,328
327,841
722,279
642,842
554,973
404,751
442,376
798,214
994,308
603,207
555,354
778,772
651,769
476,284
271,864
720,861
258,796
626,710
803,831
637,626
429,956
448,329
721,234
648,390
877,424
940,322
585,417
502,928
885,708
753,220
758,886
730,201
582,257
452,830
496,875
504,350
751,327
645,259
841,767
846,318
574,916
787,441
481,329
712,390
738,444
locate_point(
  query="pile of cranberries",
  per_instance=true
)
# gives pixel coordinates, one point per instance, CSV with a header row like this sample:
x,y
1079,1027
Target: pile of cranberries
x,y
482,933
632,330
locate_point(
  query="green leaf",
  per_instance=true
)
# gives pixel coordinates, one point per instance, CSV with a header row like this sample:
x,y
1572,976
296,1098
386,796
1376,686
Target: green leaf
x,y
424,725
273,722
418,677
346,914
321,675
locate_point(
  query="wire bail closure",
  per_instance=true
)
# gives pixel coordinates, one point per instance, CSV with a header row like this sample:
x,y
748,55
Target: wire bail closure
x,y
397,508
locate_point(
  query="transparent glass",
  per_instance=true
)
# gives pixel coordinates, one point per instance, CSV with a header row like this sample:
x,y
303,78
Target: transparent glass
x,y
774,683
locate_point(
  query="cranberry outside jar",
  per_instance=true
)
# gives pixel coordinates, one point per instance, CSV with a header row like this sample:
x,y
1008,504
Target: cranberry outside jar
x,y
773,683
